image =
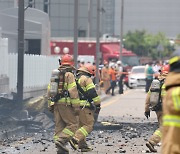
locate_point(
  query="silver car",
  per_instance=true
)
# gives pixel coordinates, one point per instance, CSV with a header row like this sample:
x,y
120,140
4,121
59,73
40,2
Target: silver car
x,y
137,77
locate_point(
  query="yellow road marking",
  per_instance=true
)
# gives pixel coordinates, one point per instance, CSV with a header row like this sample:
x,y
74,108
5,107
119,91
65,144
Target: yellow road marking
x,y
114,101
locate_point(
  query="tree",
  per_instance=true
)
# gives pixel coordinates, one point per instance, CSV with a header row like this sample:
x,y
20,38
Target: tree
x,y
144,44
135,41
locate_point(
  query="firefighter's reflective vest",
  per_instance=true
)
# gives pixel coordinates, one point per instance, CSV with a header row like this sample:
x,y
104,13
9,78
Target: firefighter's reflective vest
x,y
88,87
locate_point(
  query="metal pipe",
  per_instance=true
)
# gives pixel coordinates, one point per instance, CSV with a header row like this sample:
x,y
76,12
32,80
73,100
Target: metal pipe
x,y
75,31
89,18
20,72
121,29
97,42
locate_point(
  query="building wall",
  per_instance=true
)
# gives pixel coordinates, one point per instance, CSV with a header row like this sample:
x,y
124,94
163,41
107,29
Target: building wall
x,y
151,15
61,14
107,16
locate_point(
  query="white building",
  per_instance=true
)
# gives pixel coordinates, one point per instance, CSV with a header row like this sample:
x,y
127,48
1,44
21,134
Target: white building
x,y
36,30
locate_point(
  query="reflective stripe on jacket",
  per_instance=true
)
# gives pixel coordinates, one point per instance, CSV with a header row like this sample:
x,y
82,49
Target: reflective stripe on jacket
x,y
88,87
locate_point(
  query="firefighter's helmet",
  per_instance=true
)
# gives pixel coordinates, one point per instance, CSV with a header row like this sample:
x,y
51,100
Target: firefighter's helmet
x,y
165,69
164,72
88,68
174,62
67,60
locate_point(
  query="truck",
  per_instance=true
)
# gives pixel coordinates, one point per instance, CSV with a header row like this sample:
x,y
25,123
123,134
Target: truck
x,y
109,49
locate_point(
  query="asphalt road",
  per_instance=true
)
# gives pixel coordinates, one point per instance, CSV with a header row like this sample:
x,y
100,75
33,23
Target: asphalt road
x,y
121,128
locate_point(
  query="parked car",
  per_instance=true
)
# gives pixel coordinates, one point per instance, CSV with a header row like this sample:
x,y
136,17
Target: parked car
x,y
137,77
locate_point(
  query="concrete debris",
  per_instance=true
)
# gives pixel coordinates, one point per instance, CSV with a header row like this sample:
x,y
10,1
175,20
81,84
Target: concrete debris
x,y
47,123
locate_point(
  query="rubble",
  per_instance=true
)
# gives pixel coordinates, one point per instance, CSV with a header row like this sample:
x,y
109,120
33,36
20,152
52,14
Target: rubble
x,y
110,135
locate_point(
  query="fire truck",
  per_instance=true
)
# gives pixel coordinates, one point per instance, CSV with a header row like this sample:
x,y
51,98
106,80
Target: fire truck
x,y
109,49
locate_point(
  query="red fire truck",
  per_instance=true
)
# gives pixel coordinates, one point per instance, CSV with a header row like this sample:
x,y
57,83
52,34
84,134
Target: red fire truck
x,y
109,49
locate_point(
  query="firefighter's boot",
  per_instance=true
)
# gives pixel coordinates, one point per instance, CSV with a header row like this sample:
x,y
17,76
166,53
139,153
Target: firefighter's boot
x,y
61,148
61,151
74,143
85,148
151,147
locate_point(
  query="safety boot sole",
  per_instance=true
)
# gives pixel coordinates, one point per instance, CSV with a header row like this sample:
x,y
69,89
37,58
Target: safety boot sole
x,y
85,149
73,144
61,146
151,147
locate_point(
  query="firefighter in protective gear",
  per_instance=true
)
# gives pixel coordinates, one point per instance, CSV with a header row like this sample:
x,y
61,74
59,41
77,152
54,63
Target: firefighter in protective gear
x,y
66,105
171,108
158,93
89,101
105,77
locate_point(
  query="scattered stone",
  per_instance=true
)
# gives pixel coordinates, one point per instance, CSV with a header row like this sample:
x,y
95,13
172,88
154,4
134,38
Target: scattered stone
x,y
122,151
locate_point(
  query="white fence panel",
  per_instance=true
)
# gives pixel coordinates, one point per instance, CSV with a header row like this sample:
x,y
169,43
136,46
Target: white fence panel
x,y
12,70
3,56
37,70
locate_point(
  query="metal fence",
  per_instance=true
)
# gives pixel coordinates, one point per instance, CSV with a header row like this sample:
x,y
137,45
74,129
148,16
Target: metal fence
x,y
37,68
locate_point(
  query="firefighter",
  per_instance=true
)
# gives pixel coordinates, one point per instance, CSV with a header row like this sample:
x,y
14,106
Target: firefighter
x,y
64,103
112,73
89,103
171,108
105,77
154,103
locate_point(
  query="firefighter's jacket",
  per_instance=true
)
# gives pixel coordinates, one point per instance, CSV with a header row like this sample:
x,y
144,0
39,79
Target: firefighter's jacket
x,y
171,115
163,93
70,86
105,74
172,104
88,87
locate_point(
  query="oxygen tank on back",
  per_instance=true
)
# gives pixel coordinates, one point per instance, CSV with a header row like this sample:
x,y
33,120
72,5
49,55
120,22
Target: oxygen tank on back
x,y
155,90
54,83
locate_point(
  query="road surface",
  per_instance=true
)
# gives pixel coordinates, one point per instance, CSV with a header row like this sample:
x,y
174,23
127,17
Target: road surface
x,y
121,128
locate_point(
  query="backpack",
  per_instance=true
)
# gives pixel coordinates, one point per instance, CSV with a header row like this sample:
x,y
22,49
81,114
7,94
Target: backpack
x,y
57,81
155,97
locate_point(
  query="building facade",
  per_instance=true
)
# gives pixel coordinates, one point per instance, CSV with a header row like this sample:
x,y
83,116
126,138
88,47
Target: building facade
x,y
61,13
151,15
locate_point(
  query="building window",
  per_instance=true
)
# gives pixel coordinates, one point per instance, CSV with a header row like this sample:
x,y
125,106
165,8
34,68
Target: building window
x,y
46,6
81,33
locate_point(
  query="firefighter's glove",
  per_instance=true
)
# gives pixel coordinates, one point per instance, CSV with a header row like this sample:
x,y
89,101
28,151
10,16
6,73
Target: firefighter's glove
x,y
77,110
50,106
98,108
147,114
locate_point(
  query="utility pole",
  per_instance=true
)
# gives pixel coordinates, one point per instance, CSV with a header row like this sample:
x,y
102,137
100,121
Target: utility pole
x,y
20,51
121,29
97,42
89,17
75,31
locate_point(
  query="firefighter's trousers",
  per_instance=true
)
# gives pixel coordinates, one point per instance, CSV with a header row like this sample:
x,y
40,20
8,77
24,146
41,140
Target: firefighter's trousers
x,y
171,122
106,84
157,135
66,123
86,122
